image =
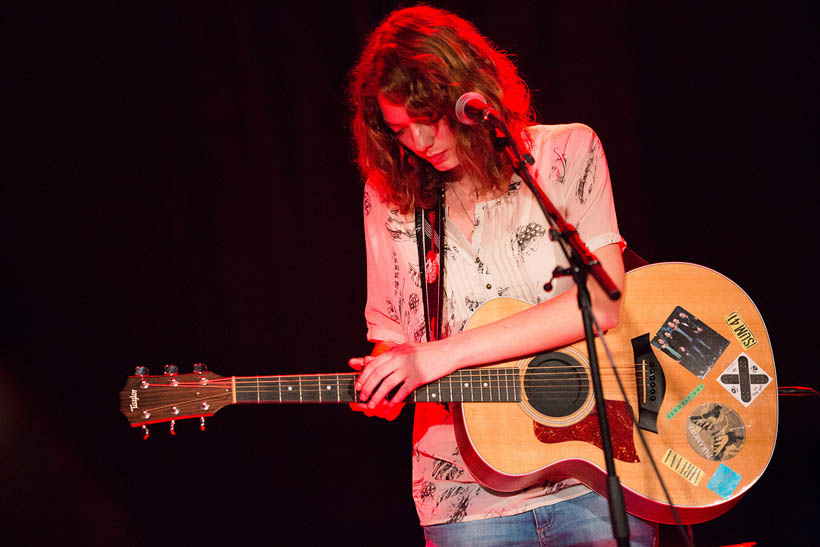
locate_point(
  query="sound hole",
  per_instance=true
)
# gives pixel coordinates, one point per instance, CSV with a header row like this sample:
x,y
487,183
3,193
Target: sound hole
x,y
555,384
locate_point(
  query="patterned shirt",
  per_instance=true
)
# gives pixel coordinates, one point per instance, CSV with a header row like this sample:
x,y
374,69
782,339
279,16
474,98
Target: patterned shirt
x,y
510,255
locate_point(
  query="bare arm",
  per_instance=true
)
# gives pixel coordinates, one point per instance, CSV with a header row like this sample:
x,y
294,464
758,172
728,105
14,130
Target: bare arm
x,y
553,323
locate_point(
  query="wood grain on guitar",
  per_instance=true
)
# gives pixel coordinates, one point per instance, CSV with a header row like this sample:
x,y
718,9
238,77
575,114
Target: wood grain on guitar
x,y
704,396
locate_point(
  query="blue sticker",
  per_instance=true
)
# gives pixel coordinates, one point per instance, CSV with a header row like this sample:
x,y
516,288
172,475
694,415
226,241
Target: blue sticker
x,y
724,482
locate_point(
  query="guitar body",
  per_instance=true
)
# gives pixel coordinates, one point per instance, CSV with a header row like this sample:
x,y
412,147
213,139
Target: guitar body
x,y
716,415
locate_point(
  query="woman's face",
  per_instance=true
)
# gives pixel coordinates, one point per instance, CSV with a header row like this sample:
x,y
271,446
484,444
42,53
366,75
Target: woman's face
x,y
434,143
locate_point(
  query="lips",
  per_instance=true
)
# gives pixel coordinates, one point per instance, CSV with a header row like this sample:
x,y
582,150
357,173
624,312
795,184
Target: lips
x,y
437,158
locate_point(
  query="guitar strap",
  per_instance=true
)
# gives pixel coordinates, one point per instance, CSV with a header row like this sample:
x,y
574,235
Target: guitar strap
x,y
430,240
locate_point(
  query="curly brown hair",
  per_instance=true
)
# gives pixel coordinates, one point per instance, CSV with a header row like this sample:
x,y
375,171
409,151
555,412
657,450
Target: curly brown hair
x,y
425,58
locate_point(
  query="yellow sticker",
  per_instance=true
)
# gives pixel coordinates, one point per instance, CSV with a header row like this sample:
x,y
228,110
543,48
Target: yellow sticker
x,y
740,330
682,467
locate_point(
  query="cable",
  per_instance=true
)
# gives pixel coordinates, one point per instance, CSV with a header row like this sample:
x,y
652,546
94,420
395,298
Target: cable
x,y
681,528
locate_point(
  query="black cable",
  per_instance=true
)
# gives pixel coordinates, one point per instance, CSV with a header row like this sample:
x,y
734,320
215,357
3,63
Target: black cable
x,y
680,526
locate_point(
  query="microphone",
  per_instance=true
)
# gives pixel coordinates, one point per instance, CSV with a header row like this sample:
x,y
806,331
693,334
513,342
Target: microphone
x,y
471,108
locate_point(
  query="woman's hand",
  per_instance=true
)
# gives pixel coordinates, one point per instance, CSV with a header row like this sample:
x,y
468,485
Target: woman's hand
x,y
383,410
404,368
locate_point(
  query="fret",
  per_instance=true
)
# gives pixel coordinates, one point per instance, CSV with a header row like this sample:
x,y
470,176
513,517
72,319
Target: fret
x,y
351,391
461,387
290,389
497,383
327,388
506,387
450,381
310,388
279,388
427,392
516,385
244,391
264,390
471,385
338,396
435,395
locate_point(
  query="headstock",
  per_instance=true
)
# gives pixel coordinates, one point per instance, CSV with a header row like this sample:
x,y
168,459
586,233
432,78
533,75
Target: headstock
x,y
149,399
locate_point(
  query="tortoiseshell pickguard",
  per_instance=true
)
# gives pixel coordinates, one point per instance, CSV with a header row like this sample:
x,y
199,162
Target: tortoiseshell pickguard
x,y
587,430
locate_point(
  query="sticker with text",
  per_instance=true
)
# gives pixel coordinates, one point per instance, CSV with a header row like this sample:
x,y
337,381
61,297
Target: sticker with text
x,y
715,432
686,400
744,379
690,342
740,330
682,467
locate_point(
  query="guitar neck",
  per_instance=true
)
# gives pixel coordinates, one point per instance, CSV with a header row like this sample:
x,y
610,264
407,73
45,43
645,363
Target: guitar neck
x,y
468,385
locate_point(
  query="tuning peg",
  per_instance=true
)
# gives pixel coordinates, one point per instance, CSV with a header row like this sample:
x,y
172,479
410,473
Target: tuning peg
x,y
199,368
202,423
141,371
171,370
147,433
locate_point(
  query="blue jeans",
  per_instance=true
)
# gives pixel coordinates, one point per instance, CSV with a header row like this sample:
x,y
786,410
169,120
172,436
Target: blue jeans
x,y
580,521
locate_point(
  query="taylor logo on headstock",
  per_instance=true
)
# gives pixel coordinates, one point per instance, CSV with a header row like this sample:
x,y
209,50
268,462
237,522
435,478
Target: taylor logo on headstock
x,y
135,400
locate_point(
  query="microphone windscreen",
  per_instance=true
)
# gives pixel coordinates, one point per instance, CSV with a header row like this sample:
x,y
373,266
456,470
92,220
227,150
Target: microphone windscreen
x,y
461,104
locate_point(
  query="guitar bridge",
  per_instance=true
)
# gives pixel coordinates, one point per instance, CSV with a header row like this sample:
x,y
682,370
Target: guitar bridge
x,y
650,381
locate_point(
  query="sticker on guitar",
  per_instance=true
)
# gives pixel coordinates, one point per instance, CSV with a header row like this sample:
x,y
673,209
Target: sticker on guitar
x,y
690,341
744,379
715,432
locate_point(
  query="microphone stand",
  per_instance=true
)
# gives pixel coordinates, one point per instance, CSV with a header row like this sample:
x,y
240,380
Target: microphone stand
x,y
581,264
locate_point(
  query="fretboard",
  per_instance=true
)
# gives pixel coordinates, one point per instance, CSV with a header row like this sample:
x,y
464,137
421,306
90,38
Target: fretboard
x,y
468,385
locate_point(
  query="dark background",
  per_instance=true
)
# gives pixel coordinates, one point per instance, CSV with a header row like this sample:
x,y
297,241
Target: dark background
x,y
180,188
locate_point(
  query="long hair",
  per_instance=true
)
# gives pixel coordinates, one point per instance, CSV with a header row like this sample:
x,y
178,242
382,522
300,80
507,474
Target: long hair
x,y
425,58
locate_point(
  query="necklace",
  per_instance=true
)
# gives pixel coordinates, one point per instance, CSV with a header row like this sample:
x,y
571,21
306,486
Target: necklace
x,y
475,219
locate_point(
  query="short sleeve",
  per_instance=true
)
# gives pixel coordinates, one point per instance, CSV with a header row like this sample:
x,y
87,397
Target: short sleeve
x,y
380,311
572,170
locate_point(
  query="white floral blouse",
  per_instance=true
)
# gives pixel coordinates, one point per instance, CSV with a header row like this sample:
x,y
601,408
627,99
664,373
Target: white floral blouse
x,y
510,255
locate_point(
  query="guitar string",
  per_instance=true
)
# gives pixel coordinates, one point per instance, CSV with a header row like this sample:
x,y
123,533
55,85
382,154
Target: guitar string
x,y
554,393
545,384
461,375
562,380
534,384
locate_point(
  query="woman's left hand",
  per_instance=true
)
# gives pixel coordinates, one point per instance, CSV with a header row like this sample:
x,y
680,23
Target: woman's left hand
x,y
406,366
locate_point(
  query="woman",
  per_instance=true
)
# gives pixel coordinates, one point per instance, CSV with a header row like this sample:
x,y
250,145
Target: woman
x,y
414,67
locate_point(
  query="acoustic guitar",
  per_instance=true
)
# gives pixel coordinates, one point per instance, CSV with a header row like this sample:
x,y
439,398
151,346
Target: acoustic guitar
x,y
693,356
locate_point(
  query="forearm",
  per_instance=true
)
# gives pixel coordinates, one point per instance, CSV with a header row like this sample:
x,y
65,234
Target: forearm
x,y
553,323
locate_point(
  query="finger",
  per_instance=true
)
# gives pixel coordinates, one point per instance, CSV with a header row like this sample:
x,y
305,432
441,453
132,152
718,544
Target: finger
x,y
393,412
387,385
367,370
356,363
372,375
401,394
362,407
368,363
382,411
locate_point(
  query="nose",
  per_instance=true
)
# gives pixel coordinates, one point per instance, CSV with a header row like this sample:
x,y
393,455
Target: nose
x,y
423,136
